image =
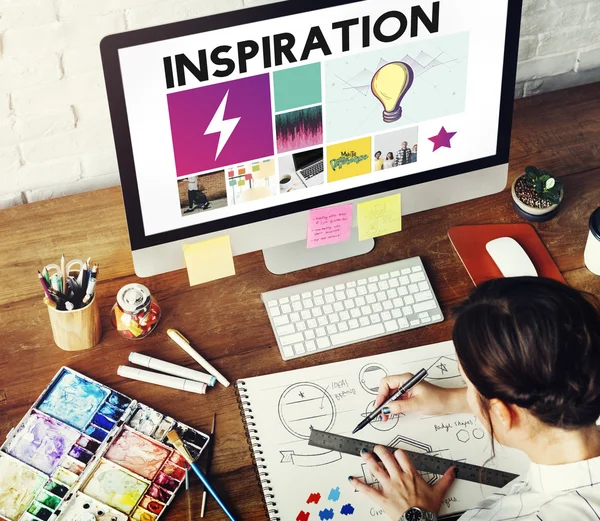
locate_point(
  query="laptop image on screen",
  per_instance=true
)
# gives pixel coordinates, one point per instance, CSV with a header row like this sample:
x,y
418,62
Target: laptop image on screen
x,y
309,167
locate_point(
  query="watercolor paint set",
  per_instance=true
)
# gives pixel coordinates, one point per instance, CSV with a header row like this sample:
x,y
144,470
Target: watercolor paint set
x,y
85,452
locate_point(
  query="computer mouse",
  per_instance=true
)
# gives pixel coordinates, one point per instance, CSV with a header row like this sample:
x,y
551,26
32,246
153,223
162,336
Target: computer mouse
x,y
510,257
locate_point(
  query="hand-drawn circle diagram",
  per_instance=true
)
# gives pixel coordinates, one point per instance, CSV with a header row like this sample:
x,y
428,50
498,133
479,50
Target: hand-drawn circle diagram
x,y
478,433
370,376
306,406
379,425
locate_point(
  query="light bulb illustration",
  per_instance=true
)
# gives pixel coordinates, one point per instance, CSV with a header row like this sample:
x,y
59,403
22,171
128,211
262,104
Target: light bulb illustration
x,y
389,85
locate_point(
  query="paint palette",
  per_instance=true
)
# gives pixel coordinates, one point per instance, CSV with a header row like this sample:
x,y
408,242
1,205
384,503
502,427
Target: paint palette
x,y
85,452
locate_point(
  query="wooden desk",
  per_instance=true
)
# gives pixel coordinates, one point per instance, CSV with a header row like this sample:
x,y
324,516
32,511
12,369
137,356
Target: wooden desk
x,y
226,320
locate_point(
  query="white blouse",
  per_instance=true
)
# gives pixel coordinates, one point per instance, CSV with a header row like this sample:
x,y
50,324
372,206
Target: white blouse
x,y
548,493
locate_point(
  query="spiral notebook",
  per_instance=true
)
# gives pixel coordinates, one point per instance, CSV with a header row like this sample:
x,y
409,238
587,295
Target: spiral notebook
x,y
303,483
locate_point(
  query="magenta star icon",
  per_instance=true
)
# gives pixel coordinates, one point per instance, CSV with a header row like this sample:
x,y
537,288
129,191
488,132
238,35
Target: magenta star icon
x,y
442,139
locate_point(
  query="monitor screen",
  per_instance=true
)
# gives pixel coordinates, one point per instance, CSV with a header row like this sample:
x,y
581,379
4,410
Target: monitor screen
x,y
250,115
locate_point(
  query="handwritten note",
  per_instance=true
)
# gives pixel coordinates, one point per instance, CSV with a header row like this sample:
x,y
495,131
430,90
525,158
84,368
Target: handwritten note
x,y
209,260
379,217
329,225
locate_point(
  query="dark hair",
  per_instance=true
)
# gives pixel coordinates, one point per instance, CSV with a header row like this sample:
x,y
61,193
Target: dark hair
x,y
535,343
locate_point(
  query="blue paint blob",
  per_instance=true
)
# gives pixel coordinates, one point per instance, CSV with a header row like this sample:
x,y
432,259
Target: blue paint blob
x,y
119,401
103,422
111,412
80,454
73,400
334,494
326,514
347,510
95,432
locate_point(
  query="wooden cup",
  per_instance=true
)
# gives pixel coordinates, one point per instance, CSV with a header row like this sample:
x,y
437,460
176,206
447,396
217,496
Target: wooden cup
x,y
78,329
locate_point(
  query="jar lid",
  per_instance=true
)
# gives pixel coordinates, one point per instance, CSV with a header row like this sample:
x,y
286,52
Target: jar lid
x,y
133,298
595,223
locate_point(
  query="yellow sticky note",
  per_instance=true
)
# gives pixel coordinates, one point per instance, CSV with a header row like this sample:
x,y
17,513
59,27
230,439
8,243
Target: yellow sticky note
x,y
209,260
379,217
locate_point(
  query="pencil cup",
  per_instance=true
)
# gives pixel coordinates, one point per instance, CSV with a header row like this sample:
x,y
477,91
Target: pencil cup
x,y
78,329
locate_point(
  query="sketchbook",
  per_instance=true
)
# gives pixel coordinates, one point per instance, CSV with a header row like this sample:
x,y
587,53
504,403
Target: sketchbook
x,y
303,483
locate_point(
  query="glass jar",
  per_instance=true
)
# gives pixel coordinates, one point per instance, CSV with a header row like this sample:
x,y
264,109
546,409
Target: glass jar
x,y
136,312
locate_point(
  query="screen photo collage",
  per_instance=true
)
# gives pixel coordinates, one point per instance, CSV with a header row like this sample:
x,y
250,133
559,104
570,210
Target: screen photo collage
x,y
263,137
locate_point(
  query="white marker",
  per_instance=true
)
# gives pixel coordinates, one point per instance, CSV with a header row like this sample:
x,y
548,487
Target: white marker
x,y
169,368
182,342
161,379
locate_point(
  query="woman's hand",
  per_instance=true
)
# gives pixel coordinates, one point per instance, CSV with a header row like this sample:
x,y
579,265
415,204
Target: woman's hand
x,y
424,398
402,487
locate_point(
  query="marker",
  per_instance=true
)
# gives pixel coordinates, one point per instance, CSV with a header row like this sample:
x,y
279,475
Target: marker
x,y
63,272
89,291
402,390
183,342
44,285
161,379
172,369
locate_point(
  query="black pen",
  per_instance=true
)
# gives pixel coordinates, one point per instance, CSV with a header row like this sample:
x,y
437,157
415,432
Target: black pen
x,y
402,390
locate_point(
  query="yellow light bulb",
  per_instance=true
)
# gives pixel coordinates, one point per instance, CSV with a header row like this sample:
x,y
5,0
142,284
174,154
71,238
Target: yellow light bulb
x,y
389,85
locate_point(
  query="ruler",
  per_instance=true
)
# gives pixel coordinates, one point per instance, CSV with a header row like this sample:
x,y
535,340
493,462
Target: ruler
x,y
422,462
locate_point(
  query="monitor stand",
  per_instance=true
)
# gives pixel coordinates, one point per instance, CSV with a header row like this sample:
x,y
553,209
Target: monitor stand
x,y
295,256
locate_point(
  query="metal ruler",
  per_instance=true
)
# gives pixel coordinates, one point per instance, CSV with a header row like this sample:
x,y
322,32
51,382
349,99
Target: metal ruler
x,y
422,462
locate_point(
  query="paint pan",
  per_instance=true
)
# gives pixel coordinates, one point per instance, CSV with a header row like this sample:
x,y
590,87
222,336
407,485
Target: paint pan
x,y
145,420
19,484
152,505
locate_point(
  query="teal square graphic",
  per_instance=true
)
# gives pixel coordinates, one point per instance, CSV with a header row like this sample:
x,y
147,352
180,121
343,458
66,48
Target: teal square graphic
x,y
297,87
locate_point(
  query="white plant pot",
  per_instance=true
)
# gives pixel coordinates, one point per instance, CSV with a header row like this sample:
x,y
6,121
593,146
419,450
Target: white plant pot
x,y
531,213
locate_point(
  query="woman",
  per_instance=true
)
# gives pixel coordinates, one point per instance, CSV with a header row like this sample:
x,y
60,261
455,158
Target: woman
x,y
529,351
389,161
413,156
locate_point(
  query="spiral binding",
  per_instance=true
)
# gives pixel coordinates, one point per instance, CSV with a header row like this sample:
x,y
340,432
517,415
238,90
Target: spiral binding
x,y
255,451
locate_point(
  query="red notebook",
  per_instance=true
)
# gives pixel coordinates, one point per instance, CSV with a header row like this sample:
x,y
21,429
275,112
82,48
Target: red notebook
x,y
469,242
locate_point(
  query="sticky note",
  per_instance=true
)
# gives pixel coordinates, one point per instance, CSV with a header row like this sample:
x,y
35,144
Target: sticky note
x,y
379,217
241,182
248,177
329,225
209,260
255,167
230,173
241,171
232,182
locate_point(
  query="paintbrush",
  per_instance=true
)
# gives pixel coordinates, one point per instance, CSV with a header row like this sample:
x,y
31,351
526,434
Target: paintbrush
x,y
180,447
209,456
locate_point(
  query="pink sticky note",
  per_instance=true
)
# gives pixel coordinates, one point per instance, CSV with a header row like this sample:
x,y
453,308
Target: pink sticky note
x,y
329,225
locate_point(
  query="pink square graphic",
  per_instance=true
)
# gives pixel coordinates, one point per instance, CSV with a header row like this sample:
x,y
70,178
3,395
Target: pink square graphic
x,y
221,125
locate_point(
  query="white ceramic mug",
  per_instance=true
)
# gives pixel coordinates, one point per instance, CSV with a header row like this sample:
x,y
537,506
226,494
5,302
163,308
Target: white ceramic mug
x,y
592,247
285,183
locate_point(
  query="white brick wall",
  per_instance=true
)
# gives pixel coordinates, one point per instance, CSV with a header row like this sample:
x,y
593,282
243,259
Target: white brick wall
x,y
55,136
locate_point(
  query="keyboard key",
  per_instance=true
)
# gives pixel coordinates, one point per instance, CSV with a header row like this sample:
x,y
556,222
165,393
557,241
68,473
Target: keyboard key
x,y
323,321
306,295
301,326
360,301
377,307
317,292
309,334
294,298
417,268
423,314
391,293
437,316
425,320
375,319
361,282
311,346
272,303
291,339
423,286
328,289
353,323
398,302
373,278
354,335
275,312
396,313
372,288
391,325
417,277
351,284
409,300
312,323
317,312
344,315
364,321
394,283
320,331
404,280
366,310
415,322
405,271
340,295
339,287
386,315
299,349
323,343
334,317
343,326
351,293
327,308
413,288
319,301
281,320
305,314
387,305
338,306
288,351
295,317
383,285
407,310
355,313
330,299
308,303
296,306
395,273
424,306
381,296
402,291
286,308
286,330
426,295
349,304
284,300
403,323
384,276
332,328
362,290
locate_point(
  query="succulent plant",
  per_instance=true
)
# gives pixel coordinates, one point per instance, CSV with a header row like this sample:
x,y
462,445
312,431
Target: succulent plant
x,y
545,186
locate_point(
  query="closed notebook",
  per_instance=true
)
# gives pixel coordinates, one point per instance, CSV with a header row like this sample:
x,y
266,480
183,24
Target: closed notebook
x,y
469,242
304,483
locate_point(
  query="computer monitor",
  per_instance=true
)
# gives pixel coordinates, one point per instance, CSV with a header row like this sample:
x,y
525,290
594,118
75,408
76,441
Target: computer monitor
x,y
240,123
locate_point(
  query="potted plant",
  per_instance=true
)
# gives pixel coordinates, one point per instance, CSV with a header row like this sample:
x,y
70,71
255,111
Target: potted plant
x,y
537,195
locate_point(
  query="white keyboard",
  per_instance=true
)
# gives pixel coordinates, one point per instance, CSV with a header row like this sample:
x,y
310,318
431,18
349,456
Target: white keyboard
x,y
352,307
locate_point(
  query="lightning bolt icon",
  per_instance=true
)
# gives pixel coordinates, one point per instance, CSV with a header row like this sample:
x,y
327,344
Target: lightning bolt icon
x,y
220,125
